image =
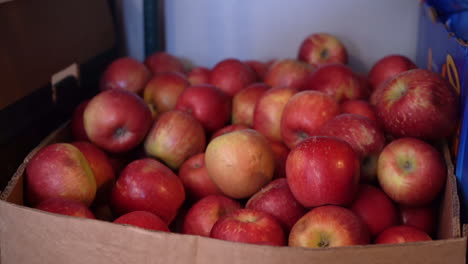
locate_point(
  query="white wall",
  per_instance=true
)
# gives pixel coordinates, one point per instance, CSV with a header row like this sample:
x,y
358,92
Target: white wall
x,y
207,31
130,23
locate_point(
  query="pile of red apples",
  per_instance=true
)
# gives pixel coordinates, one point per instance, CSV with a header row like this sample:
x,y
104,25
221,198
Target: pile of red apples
x,y
302,152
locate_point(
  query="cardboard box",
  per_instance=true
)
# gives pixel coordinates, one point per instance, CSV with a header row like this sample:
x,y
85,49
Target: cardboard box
x,y
31,236
440,51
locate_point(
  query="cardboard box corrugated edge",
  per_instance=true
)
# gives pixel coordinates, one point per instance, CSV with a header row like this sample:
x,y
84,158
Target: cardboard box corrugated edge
x,y
51,238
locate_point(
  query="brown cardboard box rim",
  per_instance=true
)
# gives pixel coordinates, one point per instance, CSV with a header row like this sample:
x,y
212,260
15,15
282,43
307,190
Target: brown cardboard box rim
x,y
17,226
30,236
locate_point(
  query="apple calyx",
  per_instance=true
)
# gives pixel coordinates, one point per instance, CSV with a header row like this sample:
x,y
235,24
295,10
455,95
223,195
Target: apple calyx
x,y
120,132
406,165
324,54
324,240
302,135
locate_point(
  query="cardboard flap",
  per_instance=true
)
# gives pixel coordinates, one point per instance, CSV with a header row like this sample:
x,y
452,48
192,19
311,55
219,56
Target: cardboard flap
x,y
449,217
46,36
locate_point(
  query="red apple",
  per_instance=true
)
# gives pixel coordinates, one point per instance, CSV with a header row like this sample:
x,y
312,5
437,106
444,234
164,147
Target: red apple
x,y
199,75
277,200
101,167
240,162
387,67
207,104
231,76
330,175
249,226
304,114
337,81
148,185
228,129
376,94
125,73
360,107
65,207
322,48
364,136
77,122
244,102
163,90
258,67
329,226
117,120
421,217
160,62
281,152
418,103
143,219
201,217
411,171
175,137
364,82
401,234
59,170
375,208
194,176
269,110
288,73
